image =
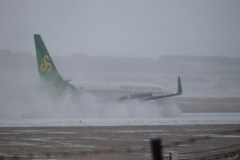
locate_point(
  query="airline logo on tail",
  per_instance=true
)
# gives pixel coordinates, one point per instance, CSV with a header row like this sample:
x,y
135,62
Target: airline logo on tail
x,y
46,65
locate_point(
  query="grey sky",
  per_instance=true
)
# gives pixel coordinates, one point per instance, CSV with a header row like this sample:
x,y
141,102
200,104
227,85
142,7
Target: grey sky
x,y
123,28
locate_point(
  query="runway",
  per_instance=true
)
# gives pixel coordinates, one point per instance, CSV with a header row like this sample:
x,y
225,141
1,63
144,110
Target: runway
x,y
183,119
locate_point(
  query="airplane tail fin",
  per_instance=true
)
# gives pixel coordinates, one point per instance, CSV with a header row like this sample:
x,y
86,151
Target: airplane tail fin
x,y
46,68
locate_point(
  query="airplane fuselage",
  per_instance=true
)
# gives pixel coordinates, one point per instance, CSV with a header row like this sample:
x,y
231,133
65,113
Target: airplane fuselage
x,y
121,91
49,74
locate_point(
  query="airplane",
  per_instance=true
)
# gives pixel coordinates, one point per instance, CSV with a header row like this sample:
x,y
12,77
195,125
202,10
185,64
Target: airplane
x,y
121,91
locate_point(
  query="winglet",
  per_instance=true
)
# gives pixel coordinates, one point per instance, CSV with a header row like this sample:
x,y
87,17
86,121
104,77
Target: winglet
x,y
179,91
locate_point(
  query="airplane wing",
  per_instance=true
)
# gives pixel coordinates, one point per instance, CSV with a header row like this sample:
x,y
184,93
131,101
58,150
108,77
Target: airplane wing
x,y
179,92
151,96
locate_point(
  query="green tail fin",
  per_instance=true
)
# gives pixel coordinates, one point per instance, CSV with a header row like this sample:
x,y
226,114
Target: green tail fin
x,y
46,68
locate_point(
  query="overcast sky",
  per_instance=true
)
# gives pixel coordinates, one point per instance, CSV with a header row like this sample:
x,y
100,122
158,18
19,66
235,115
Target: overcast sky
x,y
141,28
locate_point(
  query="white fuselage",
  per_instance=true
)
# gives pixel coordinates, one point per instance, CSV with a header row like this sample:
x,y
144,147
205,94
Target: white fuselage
x,y
121,90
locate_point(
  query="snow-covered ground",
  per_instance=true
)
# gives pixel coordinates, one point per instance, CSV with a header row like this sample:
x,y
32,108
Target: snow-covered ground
x,y
185,118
